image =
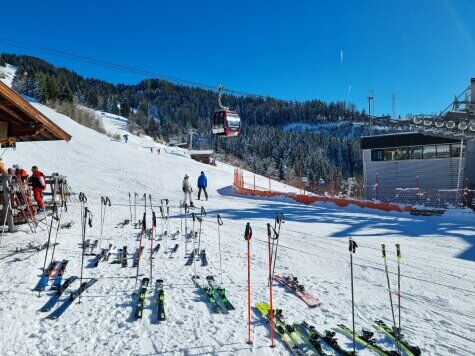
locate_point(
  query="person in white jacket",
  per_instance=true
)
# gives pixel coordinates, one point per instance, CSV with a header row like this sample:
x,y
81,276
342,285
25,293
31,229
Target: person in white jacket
x,y
187,190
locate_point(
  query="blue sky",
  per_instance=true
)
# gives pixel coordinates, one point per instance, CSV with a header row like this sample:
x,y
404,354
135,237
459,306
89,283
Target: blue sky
x,y
423,51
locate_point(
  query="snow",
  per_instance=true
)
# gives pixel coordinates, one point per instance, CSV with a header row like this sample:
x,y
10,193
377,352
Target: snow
x,y
7,74
437,261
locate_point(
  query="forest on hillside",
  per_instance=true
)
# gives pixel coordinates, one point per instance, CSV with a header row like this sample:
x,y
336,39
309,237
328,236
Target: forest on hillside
x,y
167,110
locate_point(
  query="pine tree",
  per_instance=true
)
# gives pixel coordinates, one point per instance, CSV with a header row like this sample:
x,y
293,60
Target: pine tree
x,y
125,108
2,61
64,91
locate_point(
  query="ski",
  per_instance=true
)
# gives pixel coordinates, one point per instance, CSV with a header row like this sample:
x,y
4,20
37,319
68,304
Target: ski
x,y
220,293
315,338
204,259
123,257
141,299
72,297
104,255
174,250
189,261
43,282
59,278
280,329
366,340
292,284
408,349
91,247
59,292
138,254
208,294
156,249
160,304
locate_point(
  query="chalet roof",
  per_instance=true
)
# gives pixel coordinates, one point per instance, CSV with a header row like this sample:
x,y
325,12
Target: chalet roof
x,y
25,122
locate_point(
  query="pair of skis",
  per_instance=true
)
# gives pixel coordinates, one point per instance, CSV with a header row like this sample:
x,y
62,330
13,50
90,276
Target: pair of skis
x,y
216,295
160,299
291,283
405,346
288,334
104,255
366,339
316,339
54,271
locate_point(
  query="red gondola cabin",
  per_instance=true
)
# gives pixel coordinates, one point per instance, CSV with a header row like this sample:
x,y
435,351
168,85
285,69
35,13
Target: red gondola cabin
x,y
226,123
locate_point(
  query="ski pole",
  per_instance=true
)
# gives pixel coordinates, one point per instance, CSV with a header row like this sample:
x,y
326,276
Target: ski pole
x,y
352,249
105,202
83,201
55,211
161,219
279,219
398,255
151,246
56,235
383,247
87,217
186,230
139,254
130,207
135,207
271,310
199,233
144,198
247,237
220,223
151,205
194,244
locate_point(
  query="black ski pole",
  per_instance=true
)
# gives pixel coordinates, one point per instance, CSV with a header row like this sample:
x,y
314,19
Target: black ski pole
x,y
105,202
199,233
87,218
352,249
220,223
193,254
279,219
144,198
151,246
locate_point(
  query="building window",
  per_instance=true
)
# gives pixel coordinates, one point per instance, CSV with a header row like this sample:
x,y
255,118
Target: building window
x,y
377,155
443,151
430,152
402,153
456,150
388,155
416,153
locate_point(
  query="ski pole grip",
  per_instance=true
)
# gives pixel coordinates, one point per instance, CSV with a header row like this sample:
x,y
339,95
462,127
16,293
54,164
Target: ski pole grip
x,y
199,219
154,219
383,247
269,232
203,211
220,221
398,251
82,197
248,232
193,216
108,201
144,221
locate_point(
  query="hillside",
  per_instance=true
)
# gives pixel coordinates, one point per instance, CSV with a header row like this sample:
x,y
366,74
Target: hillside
x,y
437,261
168,110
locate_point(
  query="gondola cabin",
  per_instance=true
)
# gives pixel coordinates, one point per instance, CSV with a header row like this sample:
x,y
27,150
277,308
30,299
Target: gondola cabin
x,y
226,123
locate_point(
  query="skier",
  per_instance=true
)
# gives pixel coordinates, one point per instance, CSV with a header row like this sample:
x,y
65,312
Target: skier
x,y
37,181
202,184
186,187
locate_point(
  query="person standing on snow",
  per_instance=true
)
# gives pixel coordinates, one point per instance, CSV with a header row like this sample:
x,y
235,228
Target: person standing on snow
x,y
202,184
186,187
38,183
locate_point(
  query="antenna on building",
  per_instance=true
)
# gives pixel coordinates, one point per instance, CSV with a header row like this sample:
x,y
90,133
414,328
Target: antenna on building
x,y
393,104
370,98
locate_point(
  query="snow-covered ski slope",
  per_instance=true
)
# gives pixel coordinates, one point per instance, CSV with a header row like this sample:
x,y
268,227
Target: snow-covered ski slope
x,y
438,262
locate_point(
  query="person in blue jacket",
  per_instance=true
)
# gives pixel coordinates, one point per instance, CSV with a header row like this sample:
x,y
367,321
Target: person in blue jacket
x,y
202,184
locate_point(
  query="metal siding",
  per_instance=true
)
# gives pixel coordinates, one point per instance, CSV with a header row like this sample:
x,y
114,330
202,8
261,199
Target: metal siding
x,y
440,173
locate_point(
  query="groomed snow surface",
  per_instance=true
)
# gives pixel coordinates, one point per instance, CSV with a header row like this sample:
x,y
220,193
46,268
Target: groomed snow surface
x,y
437,262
